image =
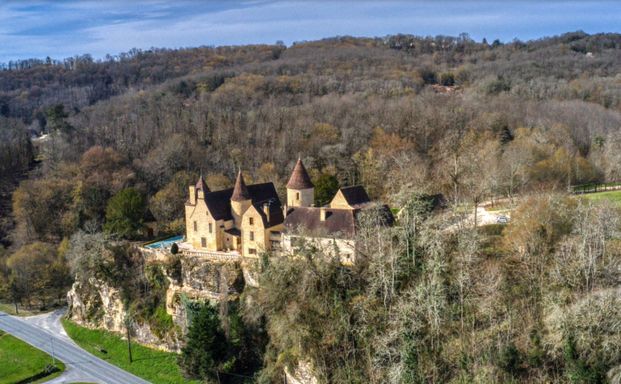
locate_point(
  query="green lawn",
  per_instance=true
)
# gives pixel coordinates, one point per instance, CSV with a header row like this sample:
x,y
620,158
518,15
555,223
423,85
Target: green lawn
x,y
613,196
150,364
10,309
20,361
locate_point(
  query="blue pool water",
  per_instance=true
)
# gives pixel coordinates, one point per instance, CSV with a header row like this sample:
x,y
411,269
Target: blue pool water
x,y
166,243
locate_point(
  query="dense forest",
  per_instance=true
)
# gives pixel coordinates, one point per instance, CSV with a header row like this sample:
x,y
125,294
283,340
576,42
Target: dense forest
x,y
81,140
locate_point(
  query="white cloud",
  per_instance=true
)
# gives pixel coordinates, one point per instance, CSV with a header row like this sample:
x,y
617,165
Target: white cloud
x,y
98,28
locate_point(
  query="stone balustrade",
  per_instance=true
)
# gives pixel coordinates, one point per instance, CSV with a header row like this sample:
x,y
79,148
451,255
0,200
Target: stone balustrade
x,y
212,255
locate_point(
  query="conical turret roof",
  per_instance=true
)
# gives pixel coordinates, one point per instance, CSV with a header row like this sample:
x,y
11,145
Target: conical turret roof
x,y
299,177
240,192
201,185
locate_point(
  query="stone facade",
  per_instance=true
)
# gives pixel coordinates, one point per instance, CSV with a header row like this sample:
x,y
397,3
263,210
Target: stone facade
x,y
249,220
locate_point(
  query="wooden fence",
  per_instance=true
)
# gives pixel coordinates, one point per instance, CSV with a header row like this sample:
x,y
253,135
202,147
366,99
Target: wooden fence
x,y
596,187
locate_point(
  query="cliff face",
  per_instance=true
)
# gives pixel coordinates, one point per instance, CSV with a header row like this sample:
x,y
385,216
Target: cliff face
x,y
98,304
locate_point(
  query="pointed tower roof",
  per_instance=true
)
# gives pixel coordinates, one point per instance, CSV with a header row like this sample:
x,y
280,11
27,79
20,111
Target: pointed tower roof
x,y
299,177
201,185
240,192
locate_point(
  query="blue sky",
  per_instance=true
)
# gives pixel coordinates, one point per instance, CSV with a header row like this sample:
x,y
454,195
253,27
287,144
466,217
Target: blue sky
x,y
64,28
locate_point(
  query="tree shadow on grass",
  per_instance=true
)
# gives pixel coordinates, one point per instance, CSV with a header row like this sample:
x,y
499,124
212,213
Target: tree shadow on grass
x,y
154,358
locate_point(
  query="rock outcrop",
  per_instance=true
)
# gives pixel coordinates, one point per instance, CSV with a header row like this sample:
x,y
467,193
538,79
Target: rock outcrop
x,y
97,304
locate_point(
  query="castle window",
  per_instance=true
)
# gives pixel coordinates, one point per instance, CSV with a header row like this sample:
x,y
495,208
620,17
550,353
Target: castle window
x,y
251,220
297,195
203,242
210,228
195,226
252,251
251,236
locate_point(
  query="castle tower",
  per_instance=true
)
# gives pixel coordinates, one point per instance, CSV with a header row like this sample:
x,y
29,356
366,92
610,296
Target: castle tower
x,y
240,199
300,189
199,190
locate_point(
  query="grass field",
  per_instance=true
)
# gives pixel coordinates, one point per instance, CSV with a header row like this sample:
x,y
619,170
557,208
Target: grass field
x,y
20,361
613,196
150,364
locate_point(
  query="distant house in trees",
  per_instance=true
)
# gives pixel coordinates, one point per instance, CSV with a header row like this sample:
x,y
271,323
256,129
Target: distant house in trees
x,y
249,219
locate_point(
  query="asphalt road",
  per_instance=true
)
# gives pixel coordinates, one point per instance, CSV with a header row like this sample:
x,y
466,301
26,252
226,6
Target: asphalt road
x,y
43,333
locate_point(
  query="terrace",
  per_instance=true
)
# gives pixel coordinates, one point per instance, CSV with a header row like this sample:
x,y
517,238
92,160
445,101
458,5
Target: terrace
x,y
160,249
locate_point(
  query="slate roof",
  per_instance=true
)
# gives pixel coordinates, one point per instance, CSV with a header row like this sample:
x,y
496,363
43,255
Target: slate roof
x,y
276,214
240,191
355,195
339,222
299,177
219,202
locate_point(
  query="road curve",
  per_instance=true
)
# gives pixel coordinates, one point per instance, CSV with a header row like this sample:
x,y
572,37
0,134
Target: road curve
x,y
81,365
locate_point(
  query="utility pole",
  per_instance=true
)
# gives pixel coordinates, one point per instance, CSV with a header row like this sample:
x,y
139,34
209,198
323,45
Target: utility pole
x,y
53,354
129,346
129,340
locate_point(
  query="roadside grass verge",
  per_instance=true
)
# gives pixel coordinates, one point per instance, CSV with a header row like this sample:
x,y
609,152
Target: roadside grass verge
x,y
22,363
612,196
150,364
10,309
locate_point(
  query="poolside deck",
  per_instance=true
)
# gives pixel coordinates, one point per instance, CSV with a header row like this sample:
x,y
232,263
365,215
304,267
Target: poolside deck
x,y
162,252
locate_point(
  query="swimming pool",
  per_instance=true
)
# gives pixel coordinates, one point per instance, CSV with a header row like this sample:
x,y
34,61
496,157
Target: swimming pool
x,y
166,243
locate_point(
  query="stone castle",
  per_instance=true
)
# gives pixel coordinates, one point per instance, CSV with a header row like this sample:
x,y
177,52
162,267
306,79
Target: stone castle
x,y
226,231
247,220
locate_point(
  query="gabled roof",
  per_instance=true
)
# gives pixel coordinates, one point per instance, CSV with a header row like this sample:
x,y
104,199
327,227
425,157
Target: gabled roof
x,y
299,177
356,196
219,204
240,191
339,222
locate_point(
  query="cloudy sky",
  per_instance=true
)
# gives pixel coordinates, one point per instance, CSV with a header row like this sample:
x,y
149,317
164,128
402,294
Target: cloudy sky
x,y
64,28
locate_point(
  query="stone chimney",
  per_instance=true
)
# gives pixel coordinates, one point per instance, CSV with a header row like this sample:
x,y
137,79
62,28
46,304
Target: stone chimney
x,y
323,213
192,194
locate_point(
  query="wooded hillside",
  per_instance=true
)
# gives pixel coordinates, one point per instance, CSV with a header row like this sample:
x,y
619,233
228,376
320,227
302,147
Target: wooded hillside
x,y
404,116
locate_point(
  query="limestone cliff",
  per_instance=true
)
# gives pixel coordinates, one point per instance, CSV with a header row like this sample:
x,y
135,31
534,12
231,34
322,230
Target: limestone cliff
x,y
98,304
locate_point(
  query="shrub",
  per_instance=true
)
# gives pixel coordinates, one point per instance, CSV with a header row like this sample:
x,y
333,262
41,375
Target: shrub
x,y
510,359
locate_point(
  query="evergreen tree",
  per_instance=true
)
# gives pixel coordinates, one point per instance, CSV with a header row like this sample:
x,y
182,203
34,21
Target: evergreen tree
x,y
206,345
124,213
326,187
